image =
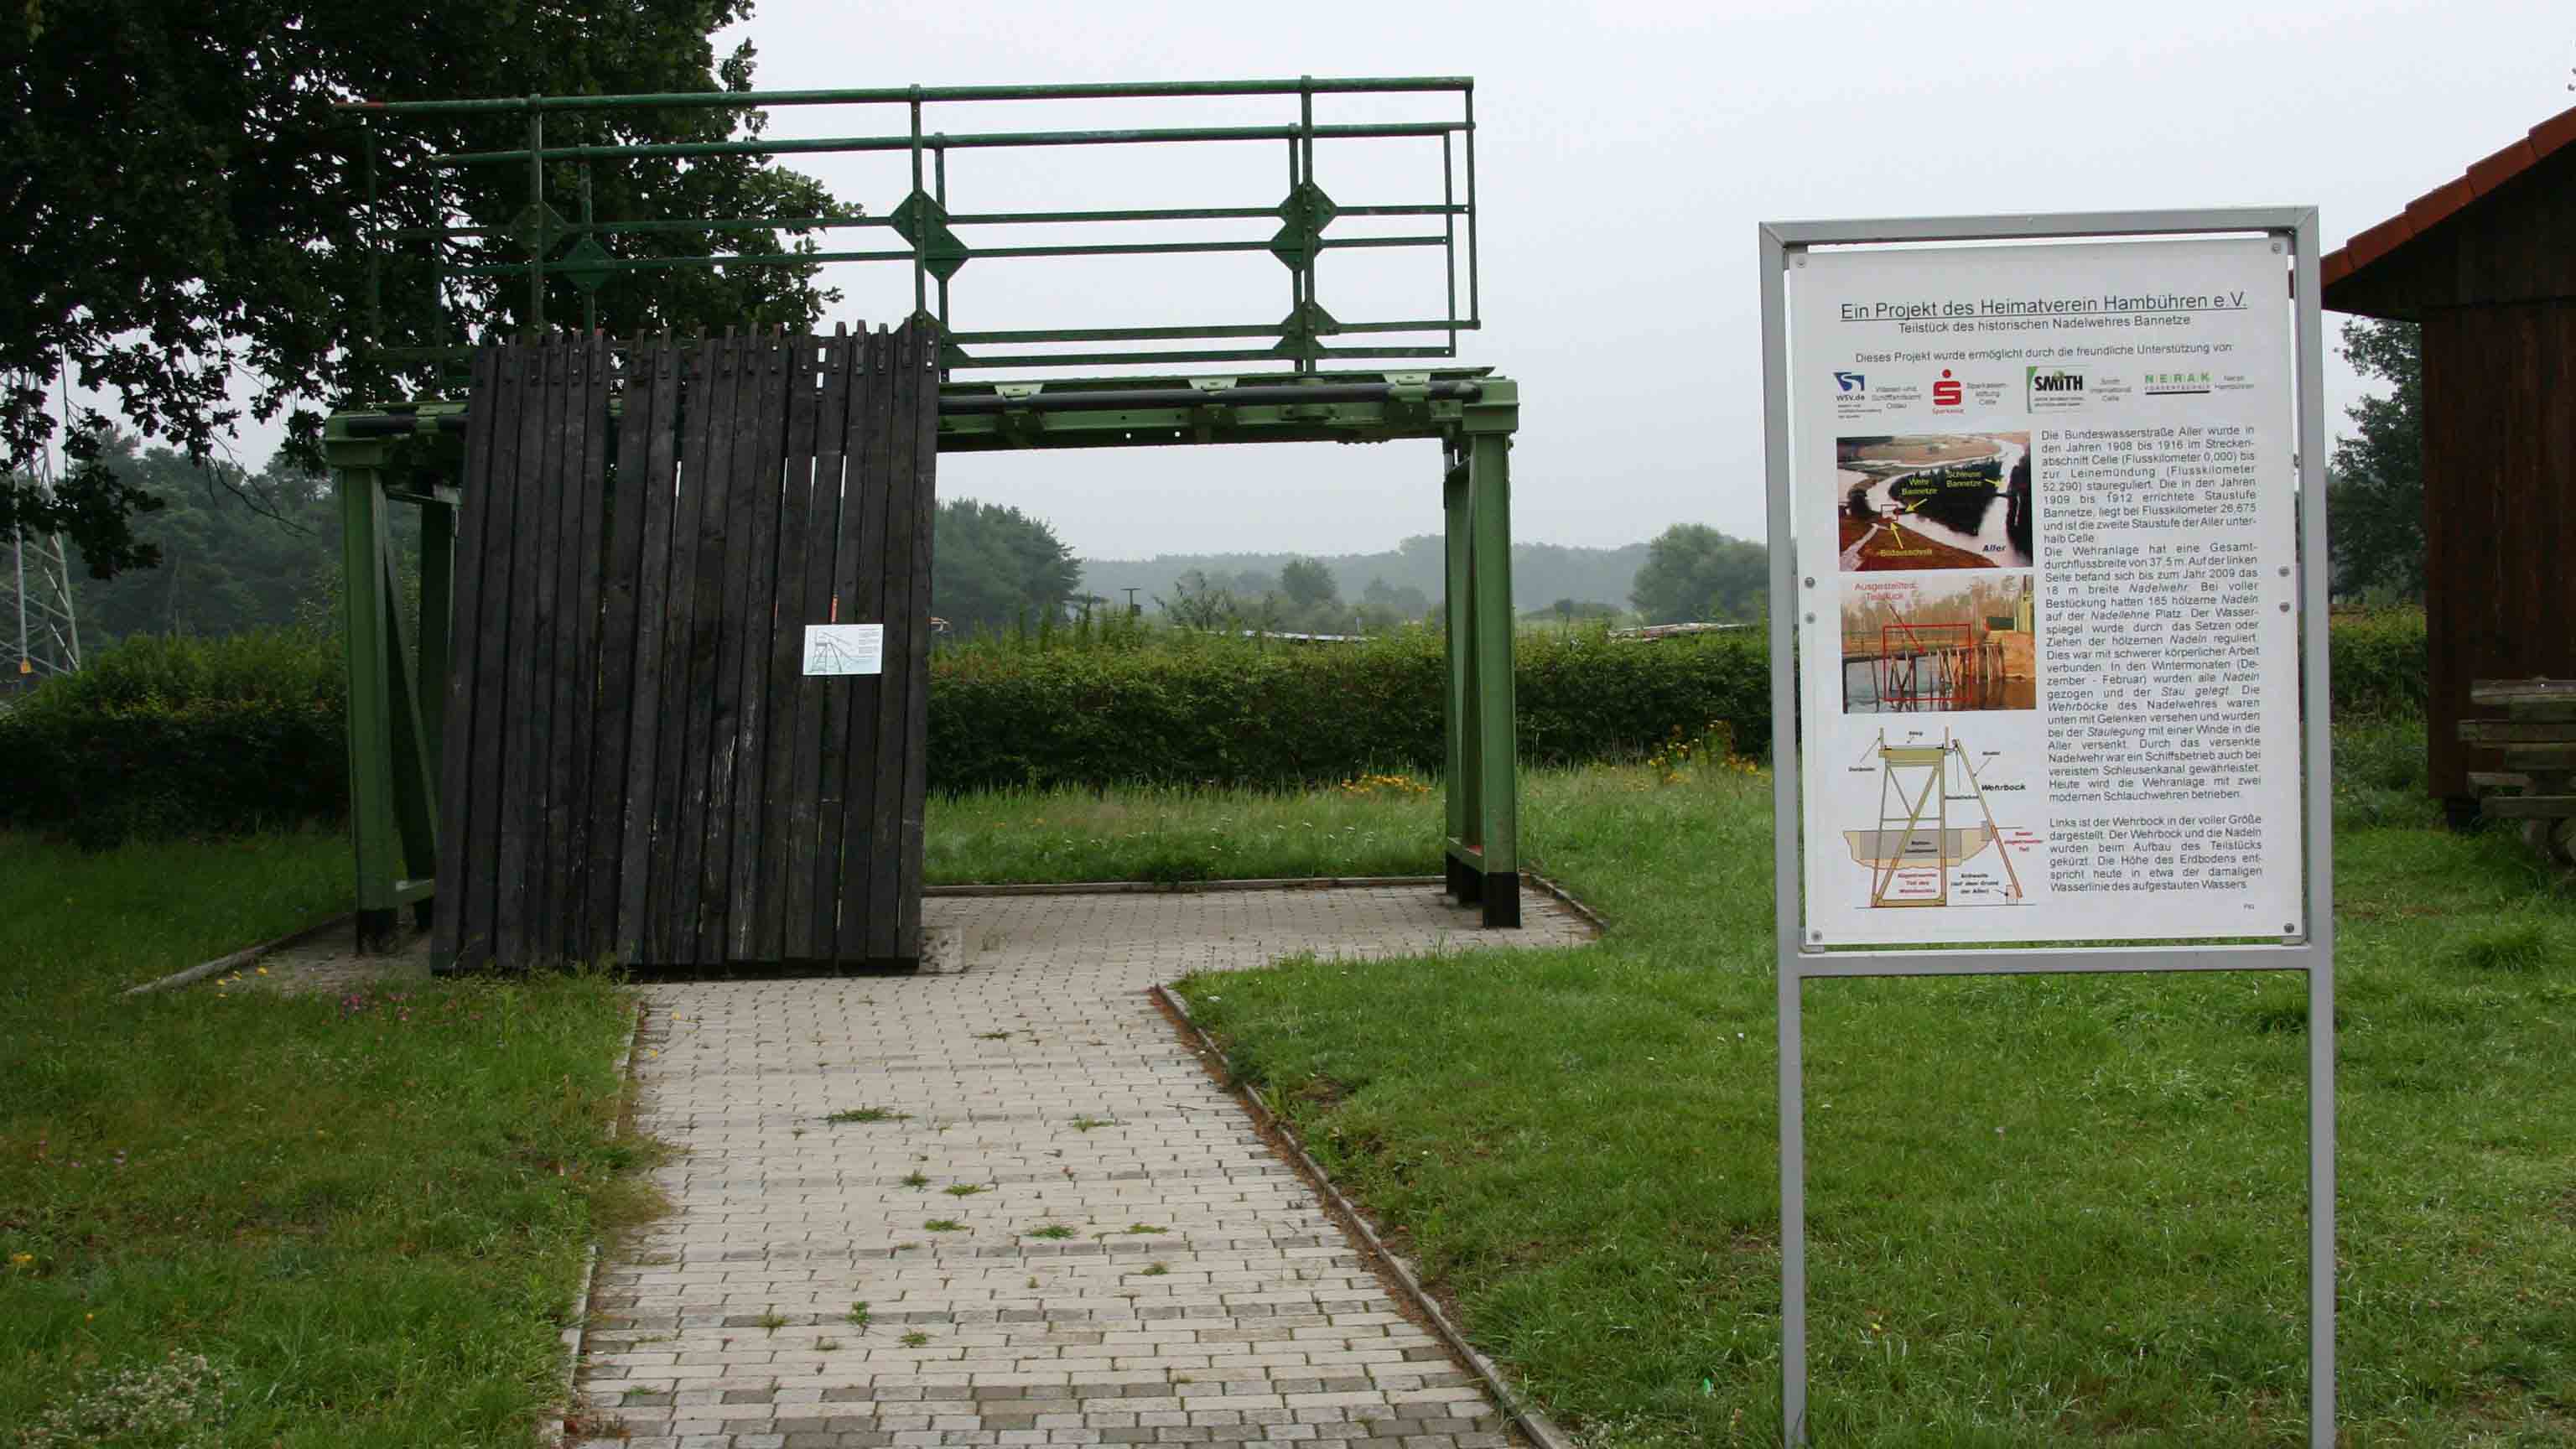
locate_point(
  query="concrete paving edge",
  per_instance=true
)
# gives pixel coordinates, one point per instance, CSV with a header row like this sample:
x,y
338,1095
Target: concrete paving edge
x,y
1145,887
577,1333
238,959
1540,1429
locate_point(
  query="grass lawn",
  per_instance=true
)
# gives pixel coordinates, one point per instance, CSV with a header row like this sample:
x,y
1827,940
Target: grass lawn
x,y
367,1215
1375,825
2043,1211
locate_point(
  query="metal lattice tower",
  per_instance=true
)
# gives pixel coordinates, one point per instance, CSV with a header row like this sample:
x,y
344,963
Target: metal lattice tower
x,y
36,606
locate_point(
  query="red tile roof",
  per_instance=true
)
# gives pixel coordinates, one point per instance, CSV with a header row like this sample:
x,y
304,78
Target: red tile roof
x,y
2429,209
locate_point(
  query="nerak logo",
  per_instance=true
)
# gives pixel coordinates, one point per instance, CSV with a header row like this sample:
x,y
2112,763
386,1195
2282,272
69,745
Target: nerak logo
x,y
1851,382
1947,393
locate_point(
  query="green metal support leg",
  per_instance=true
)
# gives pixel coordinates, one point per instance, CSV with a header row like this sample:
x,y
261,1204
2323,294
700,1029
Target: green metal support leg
x,y
437,592
1464,884
393,757
1483,854
1496,762
373,834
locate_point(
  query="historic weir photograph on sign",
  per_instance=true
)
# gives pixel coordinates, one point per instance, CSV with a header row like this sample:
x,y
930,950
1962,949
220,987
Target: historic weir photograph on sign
x,y
1934,501
1945,643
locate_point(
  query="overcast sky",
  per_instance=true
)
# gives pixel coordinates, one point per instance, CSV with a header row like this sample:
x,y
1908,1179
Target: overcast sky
x,y
1626,154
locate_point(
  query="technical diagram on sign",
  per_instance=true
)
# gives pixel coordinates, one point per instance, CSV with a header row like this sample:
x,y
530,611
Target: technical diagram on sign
x,y
1936,842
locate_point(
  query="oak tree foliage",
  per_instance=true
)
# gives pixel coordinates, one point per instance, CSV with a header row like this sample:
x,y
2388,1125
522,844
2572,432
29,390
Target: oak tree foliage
x,y
994,567
186,208
1694,573
2375,496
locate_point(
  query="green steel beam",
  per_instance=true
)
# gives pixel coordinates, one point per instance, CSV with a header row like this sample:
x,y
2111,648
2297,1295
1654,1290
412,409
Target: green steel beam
x,y
569,265
967,141
898,95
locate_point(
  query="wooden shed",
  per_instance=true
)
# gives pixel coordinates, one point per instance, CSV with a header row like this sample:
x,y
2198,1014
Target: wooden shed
x,y
2486,262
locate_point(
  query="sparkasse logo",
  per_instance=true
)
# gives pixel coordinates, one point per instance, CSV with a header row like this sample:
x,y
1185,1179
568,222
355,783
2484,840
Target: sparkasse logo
x,y
1851,382
1947,393
2053,387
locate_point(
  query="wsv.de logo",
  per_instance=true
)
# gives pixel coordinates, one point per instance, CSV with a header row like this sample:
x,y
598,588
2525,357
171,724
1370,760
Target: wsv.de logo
x,y
2052,388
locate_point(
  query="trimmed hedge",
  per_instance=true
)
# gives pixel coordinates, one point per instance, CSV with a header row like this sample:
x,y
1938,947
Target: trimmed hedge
x,y
1232,712
193,736
172,736
2381,664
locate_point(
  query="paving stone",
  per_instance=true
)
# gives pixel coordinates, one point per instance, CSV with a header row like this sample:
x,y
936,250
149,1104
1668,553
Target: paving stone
x,y
1026,1061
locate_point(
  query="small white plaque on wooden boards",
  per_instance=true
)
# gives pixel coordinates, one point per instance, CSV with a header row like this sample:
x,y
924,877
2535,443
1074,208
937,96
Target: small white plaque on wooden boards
x,y
845,648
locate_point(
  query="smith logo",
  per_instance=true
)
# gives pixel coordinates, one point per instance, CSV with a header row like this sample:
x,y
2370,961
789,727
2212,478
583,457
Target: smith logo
x,y
2054,387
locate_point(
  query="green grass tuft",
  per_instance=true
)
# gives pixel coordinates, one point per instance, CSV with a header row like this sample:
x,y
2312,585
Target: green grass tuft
x,y
2041,1210
367,1212
864,1114
2520,947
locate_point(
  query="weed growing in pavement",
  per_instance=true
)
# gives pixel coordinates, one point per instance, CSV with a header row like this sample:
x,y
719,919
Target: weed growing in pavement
x,y
864,1114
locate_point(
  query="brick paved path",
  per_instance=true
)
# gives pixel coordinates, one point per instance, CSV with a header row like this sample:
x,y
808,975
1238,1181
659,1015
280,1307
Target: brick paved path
x,y
1133,1265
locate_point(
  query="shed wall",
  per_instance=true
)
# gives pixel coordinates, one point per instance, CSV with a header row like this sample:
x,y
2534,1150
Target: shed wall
x,y
2499,505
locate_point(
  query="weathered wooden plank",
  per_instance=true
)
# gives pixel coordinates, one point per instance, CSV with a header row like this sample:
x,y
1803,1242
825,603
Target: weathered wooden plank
x,y
717,421
785,601
2540,756
2450,553
2530,807
894,686
2516,731
849,702
622,500
555,665
715,877
2524,694
813,697
2498,780
540,442
672,907
565,747
653,494
456,753
588,934
863,537
489,654
916,729
755,620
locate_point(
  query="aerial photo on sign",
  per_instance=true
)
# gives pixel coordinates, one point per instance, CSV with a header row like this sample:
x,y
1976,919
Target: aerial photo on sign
x,y
1934,501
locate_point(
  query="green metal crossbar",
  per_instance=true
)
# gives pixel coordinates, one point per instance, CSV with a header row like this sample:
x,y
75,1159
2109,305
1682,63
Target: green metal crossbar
x,y
542,244
401,452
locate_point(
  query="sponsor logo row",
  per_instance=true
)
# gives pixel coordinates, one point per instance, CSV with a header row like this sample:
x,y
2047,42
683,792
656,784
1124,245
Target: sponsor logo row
x,y
2039,389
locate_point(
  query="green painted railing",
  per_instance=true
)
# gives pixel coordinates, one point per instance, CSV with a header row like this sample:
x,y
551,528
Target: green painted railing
x,y
541,244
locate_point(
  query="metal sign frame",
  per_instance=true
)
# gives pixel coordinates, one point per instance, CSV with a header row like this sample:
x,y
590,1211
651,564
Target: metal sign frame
x,y
1780,244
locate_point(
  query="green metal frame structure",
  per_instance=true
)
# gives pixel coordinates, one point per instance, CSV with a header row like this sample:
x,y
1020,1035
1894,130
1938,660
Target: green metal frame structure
x,y
388,452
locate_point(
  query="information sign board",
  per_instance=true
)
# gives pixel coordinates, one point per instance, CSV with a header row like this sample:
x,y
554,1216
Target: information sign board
x,y
2048,607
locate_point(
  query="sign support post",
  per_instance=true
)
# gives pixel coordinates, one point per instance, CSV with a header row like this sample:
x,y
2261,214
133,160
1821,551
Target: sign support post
x,y
1816,926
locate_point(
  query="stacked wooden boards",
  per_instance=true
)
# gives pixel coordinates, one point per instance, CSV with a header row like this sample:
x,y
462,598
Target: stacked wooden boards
x,y
636,767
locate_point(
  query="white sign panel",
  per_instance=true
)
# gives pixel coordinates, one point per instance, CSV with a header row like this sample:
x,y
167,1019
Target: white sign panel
x,y
2045,501
845,648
